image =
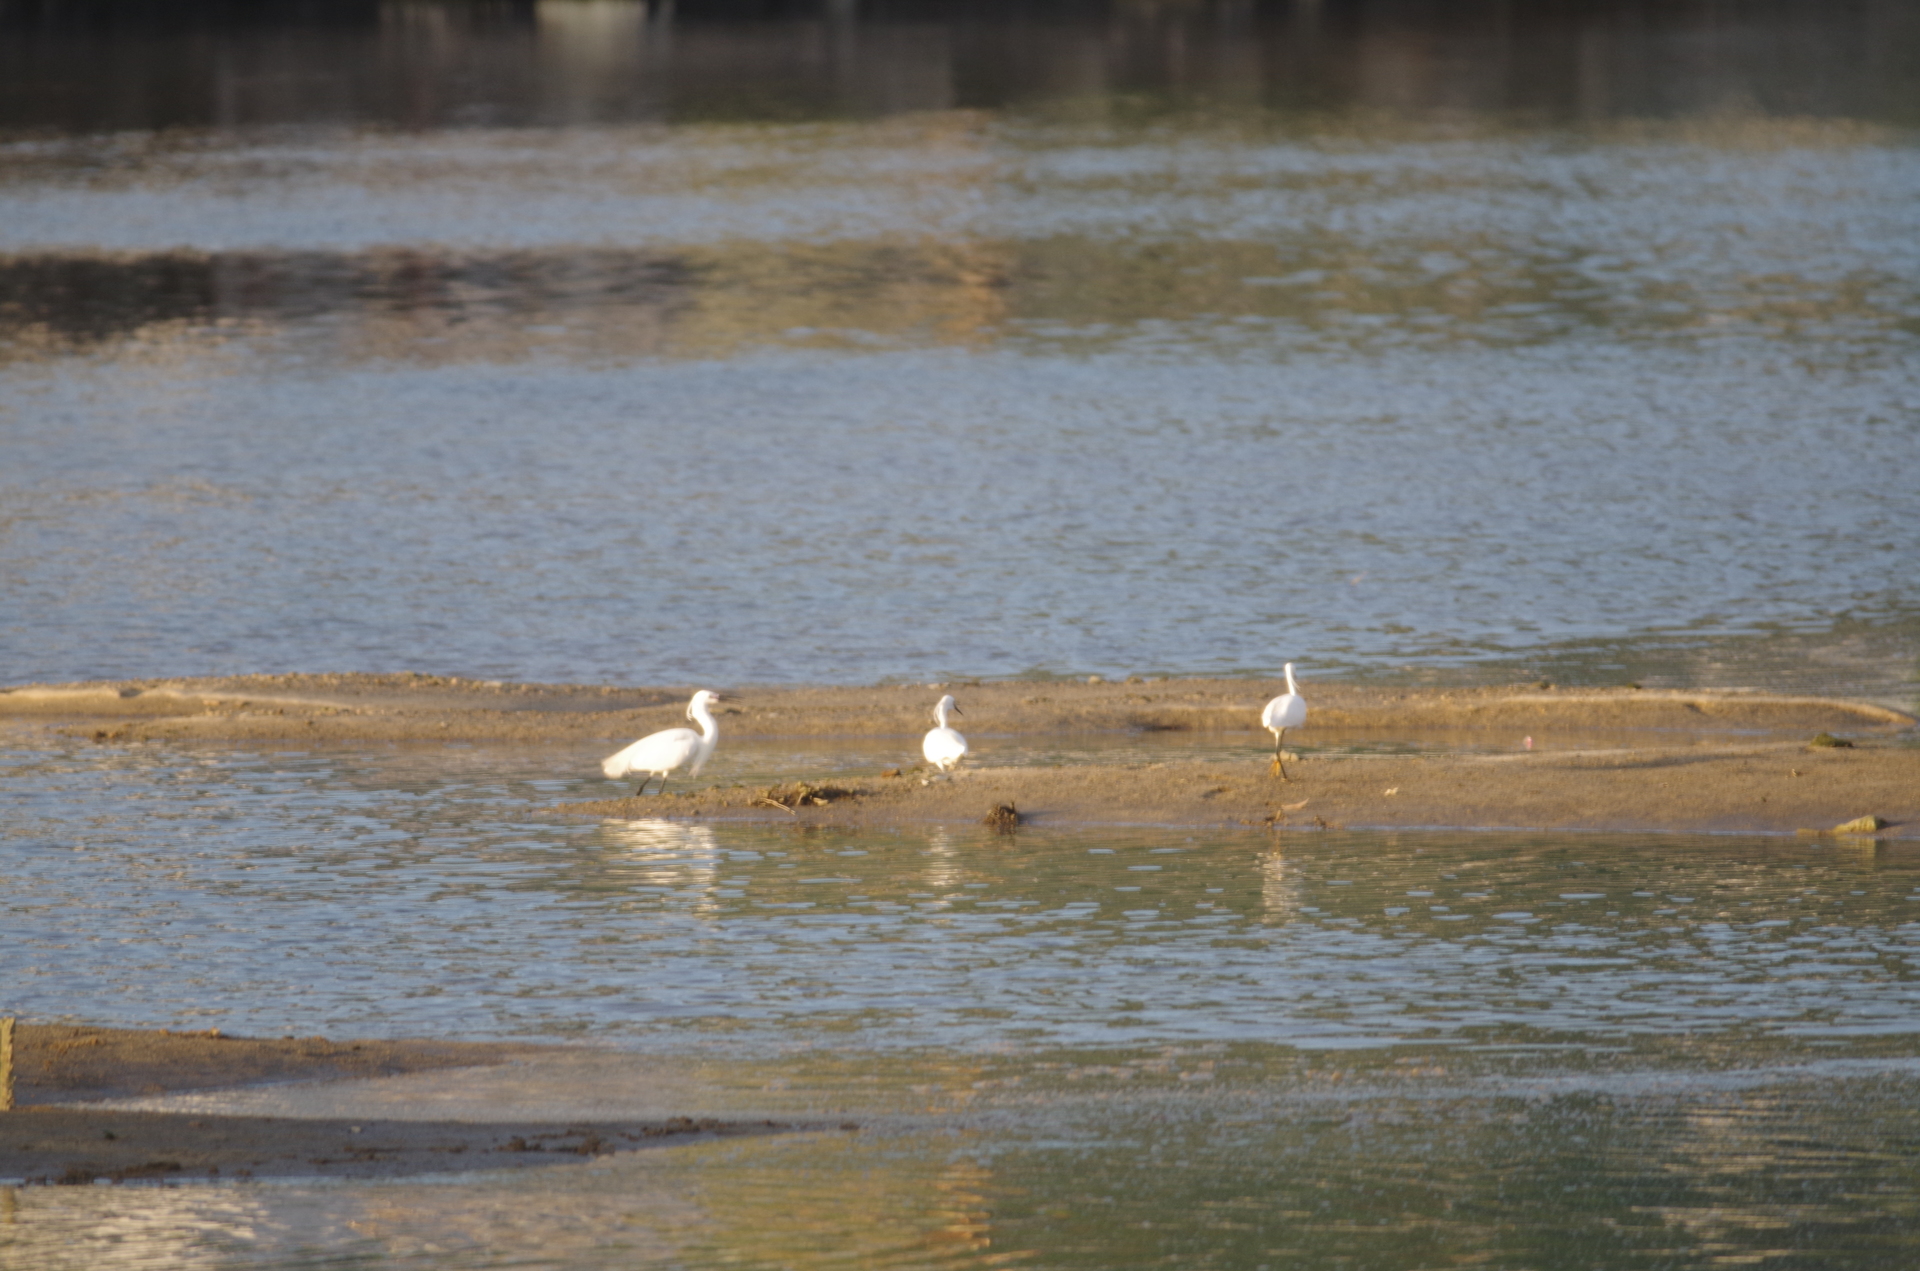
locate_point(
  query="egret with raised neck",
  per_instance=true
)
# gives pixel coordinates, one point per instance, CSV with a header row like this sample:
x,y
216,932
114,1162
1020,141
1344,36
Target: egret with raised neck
x,y
660,754
1289,710
944,747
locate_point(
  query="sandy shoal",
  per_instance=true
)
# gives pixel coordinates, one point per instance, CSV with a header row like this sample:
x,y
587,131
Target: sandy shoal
x,y
1672,762
51,1136
1742,762
399,708
1781,789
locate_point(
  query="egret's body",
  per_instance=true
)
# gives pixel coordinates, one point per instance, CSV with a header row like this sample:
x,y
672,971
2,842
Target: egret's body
x,y
659,754
1289,710
944,747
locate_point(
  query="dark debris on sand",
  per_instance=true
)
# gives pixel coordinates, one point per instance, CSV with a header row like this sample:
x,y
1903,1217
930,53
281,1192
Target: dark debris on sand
x,y
802,794
1003,817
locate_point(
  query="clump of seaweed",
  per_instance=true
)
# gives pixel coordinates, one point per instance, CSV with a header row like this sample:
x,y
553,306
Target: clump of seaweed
x,y
1827,741
1003,817
802,794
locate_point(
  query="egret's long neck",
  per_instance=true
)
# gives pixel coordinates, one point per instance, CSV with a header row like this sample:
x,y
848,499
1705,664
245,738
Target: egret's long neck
x,y
708,729
940,715
1291,686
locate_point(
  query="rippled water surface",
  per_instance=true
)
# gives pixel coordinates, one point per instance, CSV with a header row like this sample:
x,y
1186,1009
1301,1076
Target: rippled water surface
x,y
1438,364
585,340
319,892
1083,1048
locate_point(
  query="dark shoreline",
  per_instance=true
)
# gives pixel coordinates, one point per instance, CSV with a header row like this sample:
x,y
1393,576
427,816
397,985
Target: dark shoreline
x,y
58,1134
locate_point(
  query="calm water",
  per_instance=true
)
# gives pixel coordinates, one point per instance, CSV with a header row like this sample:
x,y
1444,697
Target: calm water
x,y
1084,1048
585,340
578,342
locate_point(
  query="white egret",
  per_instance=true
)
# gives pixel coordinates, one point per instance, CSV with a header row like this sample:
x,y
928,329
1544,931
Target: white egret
x,y
658,754
1289,710
944,747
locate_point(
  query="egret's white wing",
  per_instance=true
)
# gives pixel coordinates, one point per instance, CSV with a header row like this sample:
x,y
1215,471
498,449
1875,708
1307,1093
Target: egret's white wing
x,y
659,752
943,747
1289,710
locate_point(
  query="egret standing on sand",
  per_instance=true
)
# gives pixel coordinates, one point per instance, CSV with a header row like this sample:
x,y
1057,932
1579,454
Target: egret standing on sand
x,y
943,746
1289,710
658,754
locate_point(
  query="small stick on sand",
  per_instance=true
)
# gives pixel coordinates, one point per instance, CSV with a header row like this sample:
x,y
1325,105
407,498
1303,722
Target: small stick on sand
x,y
6,1063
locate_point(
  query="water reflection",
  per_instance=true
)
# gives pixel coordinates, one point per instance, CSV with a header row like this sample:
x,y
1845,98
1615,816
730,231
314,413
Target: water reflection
x,y
1220,1158
668,857
420,64
1520,386
1094,1049
963,233
943,871
1279,894
486,916
75,1228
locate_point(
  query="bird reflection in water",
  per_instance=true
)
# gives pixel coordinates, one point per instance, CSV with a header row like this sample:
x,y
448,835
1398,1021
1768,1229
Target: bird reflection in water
x,y
670,856
1279,888
943,862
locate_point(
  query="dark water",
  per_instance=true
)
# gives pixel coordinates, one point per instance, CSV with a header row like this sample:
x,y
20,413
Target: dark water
x,y
132,66
587,341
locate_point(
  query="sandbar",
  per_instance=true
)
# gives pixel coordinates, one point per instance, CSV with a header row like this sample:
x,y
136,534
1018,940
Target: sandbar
x,y
1661,760
400,708
56,1134
1781,789
1647,761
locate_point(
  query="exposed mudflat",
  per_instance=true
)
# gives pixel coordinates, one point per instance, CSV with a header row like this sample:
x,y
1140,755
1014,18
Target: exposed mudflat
x,y
1677,761
53,1137
61,1063
439,708
1755,789
84,1144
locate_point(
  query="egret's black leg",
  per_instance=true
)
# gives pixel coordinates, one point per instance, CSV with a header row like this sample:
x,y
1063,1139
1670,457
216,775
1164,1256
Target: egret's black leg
x,y
1279,736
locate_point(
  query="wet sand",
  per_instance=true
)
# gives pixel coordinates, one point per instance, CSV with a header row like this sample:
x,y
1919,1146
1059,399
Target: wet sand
x,y
1672,762
51,1136
402,708
1675,761
1765,790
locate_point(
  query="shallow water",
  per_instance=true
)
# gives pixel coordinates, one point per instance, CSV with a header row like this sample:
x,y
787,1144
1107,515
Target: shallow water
x,y
1212,1158
431,891
598,341
1040,381
1098,1048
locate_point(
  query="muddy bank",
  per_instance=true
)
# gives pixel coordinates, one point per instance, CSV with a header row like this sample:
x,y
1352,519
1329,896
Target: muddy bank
x,y
1779,788
53,1137
63,1063
78,1145
401,708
